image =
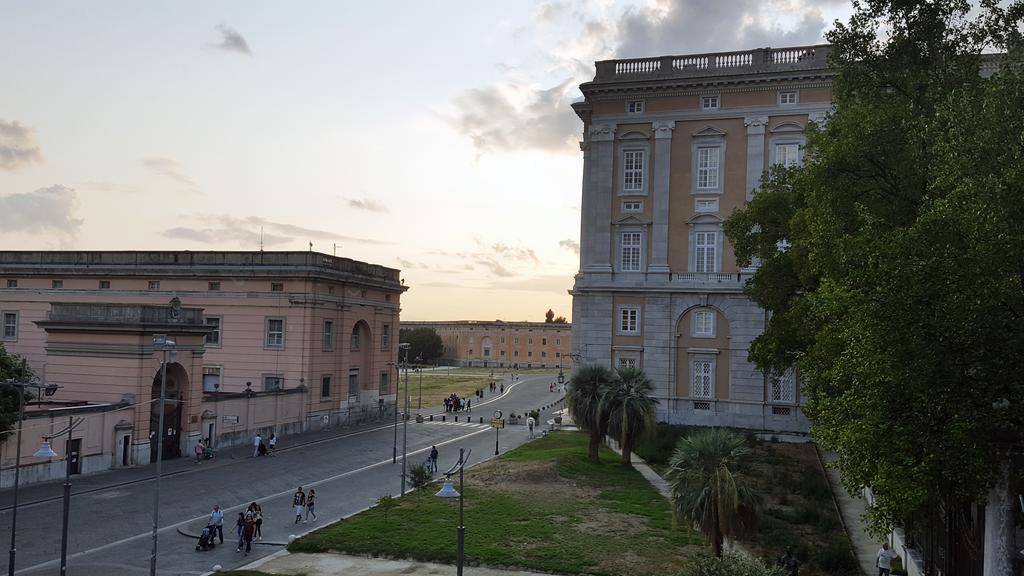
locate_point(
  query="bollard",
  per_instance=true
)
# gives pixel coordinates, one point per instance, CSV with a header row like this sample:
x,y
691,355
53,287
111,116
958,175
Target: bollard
x,y
481,419
456,418
443,417
431,417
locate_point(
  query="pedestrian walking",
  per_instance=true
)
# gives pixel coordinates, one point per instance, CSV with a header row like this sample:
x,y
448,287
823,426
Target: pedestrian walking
x,y
884,559
299,502
239,525
310,504
257,442
502,387
468,403
272,443
217,522
257,515
248,529
530,422
433,459
200,449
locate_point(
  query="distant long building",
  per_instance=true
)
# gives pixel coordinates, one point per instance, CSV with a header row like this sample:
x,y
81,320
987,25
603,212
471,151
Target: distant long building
x,y
503,344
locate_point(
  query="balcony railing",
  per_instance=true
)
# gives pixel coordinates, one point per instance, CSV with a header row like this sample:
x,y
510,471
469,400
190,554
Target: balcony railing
x,y
710,277
760,60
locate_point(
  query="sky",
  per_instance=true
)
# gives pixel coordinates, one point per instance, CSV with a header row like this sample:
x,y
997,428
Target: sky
x,y
432,137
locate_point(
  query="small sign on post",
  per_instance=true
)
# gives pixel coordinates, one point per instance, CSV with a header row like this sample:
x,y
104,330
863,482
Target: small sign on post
x,y
497,422
231,419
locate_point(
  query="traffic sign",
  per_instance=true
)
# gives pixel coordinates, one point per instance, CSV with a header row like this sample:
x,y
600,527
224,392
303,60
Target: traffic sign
x,y
497,422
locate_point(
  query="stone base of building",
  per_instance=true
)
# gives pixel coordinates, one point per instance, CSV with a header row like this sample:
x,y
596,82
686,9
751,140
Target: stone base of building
x,y
787,419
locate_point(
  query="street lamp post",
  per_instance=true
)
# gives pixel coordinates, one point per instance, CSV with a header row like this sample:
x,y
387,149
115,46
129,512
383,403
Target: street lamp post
x,y
398,381
159,341
419,404
47,452
447,491
405,413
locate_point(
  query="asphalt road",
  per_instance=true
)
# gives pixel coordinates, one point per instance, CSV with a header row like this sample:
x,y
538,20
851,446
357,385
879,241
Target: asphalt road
x,y
111,514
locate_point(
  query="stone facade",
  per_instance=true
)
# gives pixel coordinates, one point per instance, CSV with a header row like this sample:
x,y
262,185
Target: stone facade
x,y
503,344
672,145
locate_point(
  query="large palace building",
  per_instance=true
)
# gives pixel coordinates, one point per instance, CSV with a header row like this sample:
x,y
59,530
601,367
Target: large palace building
x,y
672,145
503,344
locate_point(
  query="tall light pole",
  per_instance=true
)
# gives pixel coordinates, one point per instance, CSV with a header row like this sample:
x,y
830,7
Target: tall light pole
x,y
405,413
419,360
48,390
159,341
47,452
398,381
447,491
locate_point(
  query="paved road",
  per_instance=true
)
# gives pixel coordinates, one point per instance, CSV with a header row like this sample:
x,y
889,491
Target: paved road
x,y
111,513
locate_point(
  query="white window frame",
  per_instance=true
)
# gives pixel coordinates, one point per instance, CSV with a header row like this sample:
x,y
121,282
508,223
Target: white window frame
x,y
702,261
627,361
634,179
355,339
635,106
213,286
104,284
703,323
153,285
711,173
710,102
702,377
12,283
328,335
56,284
627,262
219,374
385,337
632,206
4,336
793,95
219,331
269,381
705,205
627,320
791,148
268,343
783,388
277,286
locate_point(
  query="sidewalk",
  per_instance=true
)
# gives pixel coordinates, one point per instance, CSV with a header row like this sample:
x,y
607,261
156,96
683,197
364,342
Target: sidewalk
x,y
852,509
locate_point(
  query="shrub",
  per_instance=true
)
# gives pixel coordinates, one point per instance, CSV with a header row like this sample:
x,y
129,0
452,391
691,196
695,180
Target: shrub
x,y
836,558
386,503
419,476
731,564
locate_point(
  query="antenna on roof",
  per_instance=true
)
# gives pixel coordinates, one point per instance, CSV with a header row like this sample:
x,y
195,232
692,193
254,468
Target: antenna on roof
x,y
261,238
311,246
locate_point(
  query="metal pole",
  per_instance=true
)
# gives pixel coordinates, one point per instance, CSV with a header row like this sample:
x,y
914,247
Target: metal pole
x,y
496,430
67,502
405,420
394,447
462,526
419,405
159,461
17,470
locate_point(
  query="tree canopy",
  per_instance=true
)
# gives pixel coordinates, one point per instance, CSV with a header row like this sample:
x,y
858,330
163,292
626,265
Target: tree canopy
x,y
425,345
12,367
892,261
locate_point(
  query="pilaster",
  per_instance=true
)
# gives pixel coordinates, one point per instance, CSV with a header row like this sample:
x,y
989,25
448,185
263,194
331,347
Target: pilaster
x,y
596,246
755,152
660,196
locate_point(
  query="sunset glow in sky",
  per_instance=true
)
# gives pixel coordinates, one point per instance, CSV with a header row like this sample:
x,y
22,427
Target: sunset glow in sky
x,y
435,138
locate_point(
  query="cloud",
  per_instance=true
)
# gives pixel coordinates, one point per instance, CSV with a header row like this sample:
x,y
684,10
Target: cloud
x,y
543,283
251,231
367,204
512,117
570,244
18,146
496,268
47,210
170,169
514,253
232,41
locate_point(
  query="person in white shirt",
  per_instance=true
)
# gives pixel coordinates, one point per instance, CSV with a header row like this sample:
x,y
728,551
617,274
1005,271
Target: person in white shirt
x,y
530,423
256,445
884,560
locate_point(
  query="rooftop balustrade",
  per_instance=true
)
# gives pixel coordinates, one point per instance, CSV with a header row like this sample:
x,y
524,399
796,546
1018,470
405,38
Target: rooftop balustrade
x,y
760,60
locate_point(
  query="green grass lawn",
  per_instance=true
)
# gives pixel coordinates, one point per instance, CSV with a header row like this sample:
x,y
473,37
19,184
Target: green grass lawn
x,y
541,506
438,384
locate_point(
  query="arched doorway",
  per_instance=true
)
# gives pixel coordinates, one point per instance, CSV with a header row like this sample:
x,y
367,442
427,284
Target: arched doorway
x,y
177,383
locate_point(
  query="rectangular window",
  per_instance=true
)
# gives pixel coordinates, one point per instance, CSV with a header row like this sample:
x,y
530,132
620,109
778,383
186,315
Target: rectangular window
x,y
502,352
709,102
529,341
213,286
705,205
277,287
353,343
104,284
704,323
625,362
633,171
515,341
275,333
632,206
502,339
784,387
272,382
558,341
707,167
543,354
328,335
353,381
12,283
630,252
10,327
383,383
629,320
154,284
787,154
635,107
325,386
385,337
515,353
211,378
543,341
789,97
56,284
529,354
704,251
487,352
213,337
703,379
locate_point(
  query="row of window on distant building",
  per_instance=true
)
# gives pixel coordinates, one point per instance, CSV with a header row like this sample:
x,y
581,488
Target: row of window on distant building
x,y
213,379
713,102
155,285
703,325
515,341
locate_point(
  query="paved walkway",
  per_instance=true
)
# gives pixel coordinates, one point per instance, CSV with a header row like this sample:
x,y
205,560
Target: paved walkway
x,y
852,510
331,564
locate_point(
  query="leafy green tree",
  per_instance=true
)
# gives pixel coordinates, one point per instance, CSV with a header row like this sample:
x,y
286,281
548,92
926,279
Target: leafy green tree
x,y
583,399
898,293
12,367
707,488
549,316
629,409
560,320
425,345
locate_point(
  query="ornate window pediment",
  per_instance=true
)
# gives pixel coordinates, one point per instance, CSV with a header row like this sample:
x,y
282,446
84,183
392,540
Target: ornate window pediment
x,y
635,135
709,131
630,220
705,218
784,127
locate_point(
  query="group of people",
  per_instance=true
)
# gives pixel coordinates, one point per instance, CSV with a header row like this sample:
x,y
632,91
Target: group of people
x,y
455,404
203,450
495,386
264,449
883,561
249,524
304,503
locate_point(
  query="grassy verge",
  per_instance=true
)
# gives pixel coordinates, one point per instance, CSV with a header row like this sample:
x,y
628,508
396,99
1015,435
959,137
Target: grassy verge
x,y
541,506
798,508
439,384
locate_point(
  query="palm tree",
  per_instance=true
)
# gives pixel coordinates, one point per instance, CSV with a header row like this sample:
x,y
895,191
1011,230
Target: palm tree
x,y
630,409
583,399
707,489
